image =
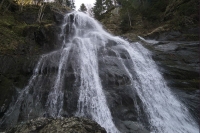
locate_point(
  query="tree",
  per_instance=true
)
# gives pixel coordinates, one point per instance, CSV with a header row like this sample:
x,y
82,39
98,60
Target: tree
x,y
41,12
68,3
102,6
98,9
107,4
83,8
127,9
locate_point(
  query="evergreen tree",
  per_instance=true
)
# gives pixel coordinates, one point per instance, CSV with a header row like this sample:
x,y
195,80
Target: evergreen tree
x,y
108,4
98,9
68,3
101,6
83,8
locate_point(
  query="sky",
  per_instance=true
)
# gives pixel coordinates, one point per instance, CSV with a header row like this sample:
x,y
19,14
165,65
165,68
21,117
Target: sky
x,y
86,2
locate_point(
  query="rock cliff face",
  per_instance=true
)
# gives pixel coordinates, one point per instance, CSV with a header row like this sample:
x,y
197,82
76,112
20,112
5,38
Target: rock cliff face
x,y
22,41
179,63
62,125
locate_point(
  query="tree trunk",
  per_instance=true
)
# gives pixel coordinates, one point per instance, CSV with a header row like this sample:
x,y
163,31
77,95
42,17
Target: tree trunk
x,y
40,13
21,7
129,19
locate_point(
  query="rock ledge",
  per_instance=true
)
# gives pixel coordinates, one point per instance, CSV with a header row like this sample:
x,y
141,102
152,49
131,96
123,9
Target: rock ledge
x,y
61,125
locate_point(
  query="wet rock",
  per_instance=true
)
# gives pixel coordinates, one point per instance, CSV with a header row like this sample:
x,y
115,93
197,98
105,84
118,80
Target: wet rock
x,y
122,99
14,73
58,17
44,36
17,65
131,127
62,125
179,64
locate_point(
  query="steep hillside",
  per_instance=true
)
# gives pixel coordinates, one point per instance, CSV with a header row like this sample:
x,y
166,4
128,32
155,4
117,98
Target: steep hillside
x,y
171,20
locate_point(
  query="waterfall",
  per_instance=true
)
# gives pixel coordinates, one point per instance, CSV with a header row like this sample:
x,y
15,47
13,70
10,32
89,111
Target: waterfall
x,y
166,113
67,81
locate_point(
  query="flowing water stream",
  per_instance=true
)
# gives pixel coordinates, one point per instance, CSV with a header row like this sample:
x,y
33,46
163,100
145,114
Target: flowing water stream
x,y
67,81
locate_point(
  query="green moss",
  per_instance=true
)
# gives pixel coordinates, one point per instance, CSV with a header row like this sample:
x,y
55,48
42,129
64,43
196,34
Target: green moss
x,y
10,33
14,29
9,39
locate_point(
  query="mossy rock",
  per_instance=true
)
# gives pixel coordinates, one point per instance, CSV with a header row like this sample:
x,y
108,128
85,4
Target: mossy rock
x,y
63,125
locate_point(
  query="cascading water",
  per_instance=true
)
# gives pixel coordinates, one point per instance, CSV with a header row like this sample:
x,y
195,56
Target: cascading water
x,y
68,82
166,113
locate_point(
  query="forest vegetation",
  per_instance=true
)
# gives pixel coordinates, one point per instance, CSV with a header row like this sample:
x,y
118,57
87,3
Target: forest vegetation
x,y
146,16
